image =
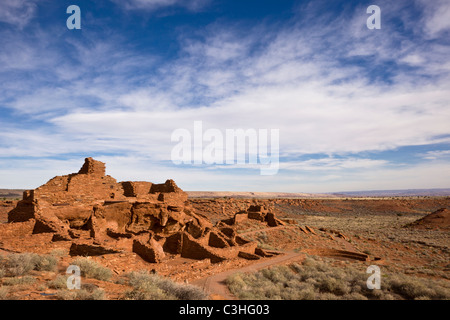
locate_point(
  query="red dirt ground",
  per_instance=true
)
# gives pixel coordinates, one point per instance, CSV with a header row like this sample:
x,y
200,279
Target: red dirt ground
x,y
338,225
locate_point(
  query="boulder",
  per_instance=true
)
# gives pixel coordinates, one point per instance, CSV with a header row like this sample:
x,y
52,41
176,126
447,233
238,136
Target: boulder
x,y
149,250
85,249
248,256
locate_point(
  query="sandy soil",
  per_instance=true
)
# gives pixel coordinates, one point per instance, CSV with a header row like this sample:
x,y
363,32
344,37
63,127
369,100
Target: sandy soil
x,y
372,227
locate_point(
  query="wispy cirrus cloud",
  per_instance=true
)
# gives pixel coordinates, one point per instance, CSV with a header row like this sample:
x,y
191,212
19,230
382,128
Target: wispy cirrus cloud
x,y
17,12
335,90
152,5
436,155
322,106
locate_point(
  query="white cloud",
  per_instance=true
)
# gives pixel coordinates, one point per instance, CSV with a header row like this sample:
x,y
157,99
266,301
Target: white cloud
x,y
333,164
436,19
17,12
151,5
135,168
413,59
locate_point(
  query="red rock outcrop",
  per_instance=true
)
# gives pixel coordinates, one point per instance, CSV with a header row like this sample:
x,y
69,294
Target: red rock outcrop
x,y
439,219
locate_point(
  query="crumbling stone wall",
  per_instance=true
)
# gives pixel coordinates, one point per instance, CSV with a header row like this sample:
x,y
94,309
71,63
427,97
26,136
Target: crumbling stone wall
x,y
255,212
136,188
97,213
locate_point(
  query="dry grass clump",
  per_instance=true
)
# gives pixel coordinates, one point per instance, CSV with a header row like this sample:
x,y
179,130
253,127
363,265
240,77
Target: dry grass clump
x,y
419,288
60,282
316,280
15,270
3,293
85,293
148,286
19,264
19,281
16,267
91,269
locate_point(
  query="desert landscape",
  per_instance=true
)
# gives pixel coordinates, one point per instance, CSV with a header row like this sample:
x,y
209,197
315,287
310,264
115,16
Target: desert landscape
x,y
215,158
136,240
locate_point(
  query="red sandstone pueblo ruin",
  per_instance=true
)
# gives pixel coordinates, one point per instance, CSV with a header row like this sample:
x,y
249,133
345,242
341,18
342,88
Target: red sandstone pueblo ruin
x,y
135,226
100,215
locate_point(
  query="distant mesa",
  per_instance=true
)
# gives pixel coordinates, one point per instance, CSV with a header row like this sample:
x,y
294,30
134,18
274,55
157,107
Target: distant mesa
x,y
439,219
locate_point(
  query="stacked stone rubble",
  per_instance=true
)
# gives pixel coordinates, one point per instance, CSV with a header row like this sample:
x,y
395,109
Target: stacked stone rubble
x,y
257,212
97,213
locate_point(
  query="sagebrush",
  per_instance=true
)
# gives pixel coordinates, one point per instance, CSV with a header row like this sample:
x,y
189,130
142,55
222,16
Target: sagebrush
x,y
147,286
317,280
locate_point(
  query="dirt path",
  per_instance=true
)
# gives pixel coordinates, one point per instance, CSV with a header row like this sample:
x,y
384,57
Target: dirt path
x,y
216,286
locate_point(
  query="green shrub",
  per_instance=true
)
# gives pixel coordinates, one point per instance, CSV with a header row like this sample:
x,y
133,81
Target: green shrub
x,y
320,281
419,288
25,280
181,291
60,282
41,287
81,294
19,264
148,286
58,253
145,287
92,269
44,262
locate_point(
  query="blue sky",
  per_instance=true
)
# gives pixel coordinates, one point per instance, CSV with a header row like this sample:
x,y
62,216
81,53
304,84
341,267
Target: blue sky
x,y
356,109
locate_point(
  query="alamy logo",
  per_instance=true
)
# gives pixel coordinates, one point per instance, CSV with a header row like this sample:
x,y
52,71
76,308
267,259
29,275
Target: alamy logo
x,y
374,281
74,280
244,147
